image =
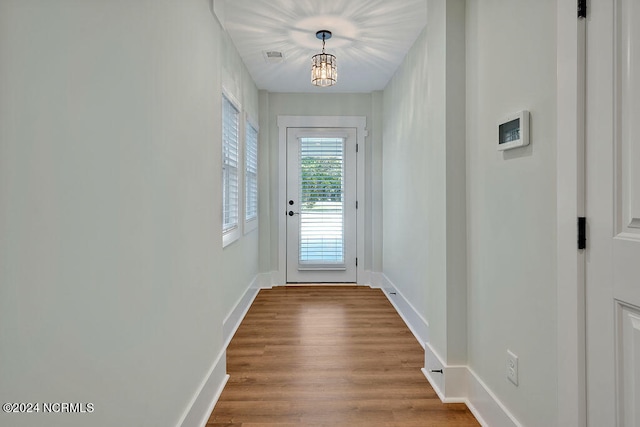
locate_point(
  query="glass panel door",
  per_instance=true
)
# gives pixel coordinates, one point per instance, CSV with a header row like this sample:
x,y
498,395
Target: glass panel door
x,y
321,209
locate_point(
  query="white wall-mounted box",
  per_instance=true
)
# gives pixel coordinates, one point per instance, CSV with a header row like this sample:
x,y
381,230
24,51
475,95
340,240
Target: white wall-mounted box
x,y
513,131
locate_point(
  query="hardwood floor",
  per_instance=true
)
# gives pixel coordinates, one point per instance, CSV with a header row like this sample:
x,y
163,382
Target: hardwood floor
x,y
328,356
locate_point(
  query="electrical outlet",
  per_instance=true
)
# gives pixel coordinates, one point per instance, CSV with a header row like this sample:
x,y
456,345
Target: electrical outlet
x,y
512,367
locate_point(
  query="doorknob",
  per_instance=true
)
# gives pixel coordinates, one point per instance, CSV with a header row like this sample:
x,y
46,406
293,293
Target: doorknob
x,y
292,213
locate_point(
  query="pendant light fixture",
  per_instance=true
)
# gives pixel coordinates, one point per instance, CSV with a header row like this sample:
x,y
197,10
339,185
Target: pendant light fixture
x,y
324,71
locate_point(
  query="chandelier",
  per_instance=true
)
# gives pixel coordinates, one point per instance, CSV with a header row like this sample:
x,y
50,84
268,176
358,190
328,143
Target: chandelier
x,y
324,71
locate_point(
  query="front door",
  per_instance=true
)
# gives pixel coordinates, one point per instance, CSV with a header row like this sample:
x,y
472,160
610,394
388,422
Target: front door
x,y
321,205
613,213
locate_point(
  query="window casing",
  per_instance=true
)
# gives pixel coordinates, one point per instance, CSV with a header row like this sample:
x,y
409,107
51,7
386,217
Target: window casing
x,y
251,176
230,172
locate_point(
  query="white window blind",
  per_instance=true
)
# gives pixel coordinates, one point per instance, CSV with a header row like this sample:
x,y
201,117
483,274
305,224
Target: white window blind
x,y
322,201
230,137
251,172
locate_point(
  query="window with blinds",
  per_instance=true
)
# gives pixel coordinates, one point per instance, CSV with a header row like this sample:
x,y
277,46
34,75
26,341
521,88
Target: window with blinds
x,y
251,173
321,201
230,138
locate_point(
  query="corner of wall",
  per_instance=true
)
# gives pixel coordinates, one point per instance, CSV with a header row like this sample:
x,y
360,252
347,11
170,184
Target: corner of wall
x,y
217,7
459,384
452,383
205,399
411,317
234,318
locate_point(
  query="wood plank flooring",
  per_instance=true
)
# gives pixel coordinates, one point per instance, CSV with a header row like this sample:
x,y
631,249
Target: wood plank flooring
x,y
328,356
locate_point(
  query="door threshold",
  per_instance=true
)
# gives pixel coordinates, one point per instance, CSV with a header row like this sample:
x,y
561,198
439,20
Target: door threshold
x,y
320,284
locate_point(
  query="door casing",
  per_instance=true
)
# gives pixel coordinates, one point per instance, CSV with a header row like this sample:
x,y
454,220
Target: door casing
x,y
345,272
284,122
571,369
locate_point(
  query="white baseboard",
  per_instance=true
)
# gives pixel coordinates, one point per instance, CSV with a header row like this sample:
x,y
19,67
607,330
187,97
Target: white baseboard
x,y
233,320
416,323
459,384
271,280
267,280
455,384
376,279
364,279
486,406
451,383
205,399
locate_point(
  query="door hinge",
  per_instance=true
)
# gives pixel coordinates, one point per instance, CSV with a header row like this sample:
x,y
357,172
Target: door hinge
x,y
356,204
582,232
582,9
356,262
357,148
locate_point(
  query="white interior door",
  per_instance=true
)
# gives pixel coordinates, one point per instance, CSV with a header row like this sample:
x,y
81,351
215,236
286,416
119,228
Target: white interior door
x,y
613,213
321,205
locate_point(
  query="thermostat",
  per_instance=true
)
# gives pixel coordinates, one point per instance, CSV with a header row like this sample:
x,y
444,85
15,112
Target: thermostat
x,y
513,131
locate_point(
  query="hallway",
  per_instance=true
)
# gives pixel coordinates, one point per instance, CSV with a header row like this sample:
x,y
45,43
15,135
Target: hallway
x,y
143,207
328,356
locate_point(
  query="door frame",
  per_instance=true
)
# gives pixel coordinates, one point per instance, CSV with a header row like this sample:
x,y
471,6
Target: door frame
x,y
346,270
570,190
285,122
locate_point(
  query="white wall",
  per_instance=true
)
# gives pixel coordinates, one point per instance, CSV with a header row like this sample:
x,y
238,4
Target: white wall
x,y
507,298
424,183
240,258
276,104
114,281
413,170
511,65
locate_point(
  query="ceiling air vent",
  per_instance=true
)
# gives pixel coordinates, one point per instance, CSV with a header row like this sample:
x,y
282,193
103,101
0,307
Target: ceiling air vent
x,y
273,56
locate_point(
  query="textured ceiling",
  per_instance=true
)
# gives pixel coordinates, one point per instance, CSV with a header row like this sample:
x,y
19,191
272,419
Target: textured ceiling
x,y
370,39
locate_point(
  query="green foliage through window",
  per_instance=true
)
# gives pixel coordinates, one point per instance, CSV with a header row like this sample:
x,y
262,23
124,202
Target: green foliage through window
x,y
321,178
